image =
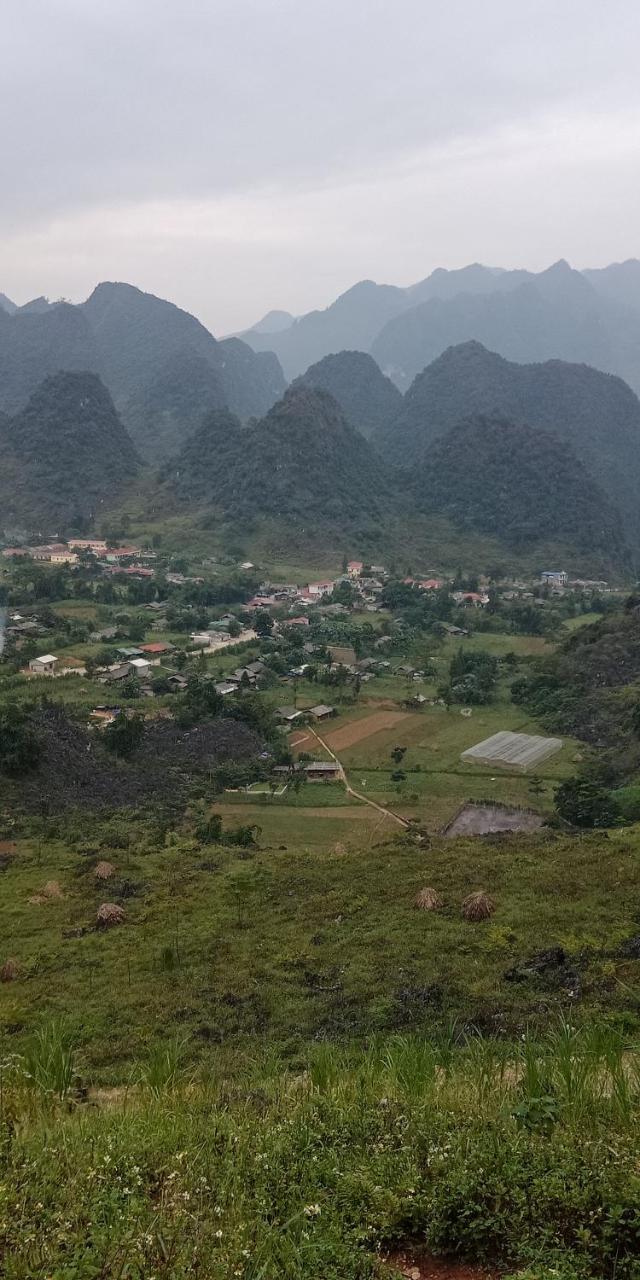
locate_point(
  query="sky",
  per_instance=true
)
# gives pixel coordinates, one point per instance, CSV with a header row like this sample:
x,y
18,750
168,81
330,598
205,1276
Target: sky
x,y
239,155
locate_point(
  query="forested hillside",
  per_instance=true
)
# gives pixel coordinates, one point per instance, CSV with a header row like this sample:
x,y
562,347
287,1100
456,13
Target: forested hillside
x,y
368,400
302,464
597,415
64,456
164,370
519,485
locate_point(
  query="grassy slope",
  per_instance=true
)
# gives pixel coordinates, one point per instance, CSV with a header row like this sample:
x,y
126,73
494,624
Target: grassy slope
x,y
323,942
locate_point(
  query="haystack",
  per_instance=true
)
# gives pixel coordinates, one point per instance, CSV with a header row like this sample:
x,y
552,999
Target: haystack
x,y
9,971
108,915
52,890
429,900
104,870
478,906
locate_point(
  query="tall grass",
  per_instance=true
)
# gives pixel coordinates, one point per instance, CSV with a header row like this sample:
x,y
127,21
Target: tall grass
x,y
48,1063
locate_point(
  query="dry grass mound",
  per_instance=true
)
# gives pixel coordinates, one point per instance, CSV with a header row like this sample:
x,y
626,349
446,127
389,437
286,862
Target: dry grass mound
x,y
10,971
478,906
52,890
104,870
108,915
429,900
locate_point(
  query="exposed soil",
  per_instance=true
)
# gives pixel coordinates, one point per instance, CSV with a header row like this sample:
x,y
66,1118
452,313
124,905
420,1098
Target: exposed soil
x,y
349,734
429,1268
483,819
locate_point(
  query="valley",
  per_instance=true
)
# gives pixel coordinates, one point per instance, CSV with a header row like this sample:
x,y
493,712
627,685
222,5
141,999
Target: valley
x,y
267,927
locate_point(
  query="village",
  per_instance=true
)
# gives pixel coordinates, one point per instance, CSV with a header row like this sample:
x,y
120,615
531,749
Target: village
x,y
353,668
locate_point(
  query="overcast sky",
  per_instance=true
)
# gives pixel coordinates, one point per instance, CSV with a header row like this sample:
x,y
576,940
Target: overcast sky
x,y
238,155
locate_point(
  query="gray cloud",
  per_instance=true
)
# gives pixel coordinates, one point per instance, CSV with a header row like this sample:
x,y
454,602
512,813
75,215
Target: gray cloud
x,y
239,154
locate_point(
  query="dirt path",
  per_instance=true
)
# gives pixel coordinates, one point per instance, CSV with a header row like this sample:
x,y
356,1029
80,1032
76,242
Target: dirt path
x,y
373,804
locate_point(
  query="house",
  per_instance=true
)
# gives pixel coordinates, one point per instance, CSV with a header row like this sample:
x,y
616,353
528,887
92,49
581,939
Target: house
x,y
64,557
140,666
554,577
288,714
354,568
88,544
450,630
323,771
322,712
225,687
431,584
405,671
114,554
116,674
156,649
107,633
177,683
297,622
44,666
129,653
474,599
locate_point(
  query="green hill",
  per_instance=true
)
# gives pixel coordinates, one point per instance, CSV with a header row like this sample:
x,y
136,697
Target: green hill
x,y
595,414
303,465
368,400
64,455
519,485
163,369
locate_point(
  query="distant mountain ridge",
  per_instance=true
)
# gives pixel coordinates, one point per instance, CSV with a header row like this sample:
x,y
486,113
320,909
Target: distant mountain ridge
x,y
136,343
591,316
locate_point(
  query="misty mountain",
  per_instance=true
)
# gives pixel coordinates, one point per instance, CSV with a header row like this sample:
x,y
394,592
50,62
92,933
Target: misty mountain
x,y
7,305
559,315
138,335
64,455
520,485
34,345
138,344
589,316
595,414
273,322
351,323
368,400
619,282
303,464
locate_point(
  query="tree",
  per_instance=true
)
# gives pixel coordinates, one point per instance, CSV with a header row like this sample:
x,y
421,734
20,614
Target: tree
x,y
263,624
124,735
19,747
234,628
586,804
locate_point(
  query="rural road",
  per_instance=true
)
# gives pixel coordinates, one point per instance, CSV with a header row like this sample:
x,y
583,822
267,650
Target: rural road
x,y
395,817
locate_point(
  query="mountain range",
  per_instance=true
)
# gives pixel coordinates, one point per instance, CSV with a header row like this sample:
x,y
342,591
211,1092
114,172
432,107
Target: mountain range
x,y
163,369
525,452
590,317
